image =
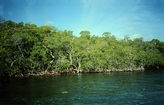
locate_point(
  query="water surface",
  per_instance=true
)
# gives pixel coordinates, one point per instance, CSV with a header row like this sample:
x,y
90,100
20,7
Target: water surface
x,y
116,88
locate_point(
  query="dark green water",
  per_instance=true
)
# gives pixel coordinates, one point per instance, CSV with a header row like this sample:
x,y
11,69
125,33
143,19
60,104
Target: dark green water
x,y
118,88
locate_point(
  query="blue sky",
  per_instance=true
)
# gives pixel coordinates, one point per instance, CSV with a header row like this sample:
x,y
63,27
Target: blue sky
x,y
136,18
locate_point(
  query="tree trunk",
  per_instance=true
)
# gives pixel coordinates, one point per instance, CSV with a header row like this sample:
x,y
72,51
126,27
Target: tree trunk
x,y
79,64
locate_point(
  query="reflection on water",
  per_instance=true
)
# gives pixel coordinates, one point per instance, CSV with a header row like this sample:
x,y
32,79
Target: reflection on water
x,y
115,88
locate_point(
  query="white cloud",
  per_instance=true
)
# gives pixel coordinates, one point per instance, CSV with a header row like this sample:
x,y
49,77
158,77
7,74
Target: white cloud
x,y
135,36
49,23
147,38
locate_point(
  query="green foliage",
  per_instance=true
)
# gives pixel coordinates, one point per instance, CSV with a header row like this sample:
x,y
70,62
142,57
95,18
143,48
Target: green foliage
x,y
26,48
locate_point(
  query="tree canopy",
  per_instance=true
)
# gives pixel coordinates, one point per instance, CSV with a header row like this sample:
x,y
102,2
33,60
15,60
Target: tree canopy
x,y
27,48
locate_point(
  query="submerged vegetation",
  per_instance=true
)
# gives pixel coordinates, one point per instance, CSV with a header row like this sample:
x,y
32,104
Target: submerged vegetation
x,y
29,49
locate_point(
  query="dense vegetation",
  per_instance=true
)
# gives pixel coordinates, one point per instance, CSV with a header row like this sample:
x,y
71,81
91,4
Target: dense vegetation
x,y
28,49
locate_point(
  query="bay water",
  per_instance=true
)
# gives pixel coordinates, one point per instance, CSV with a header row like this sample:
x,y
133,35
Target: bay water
x,y
115,88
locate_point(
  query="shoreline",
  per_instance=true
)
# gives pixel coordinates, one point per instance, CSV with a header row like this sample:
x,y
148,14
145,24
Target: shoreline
x,y
69,72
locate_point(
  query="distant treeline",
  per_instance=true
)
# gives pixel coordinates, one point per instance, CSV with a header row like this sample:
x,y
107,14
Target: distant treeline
x,y
29,49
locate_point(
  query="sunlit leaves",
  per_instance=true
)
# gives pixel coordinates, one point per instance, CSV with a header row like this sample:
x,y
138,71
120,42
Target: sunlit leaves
x,y
27,48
